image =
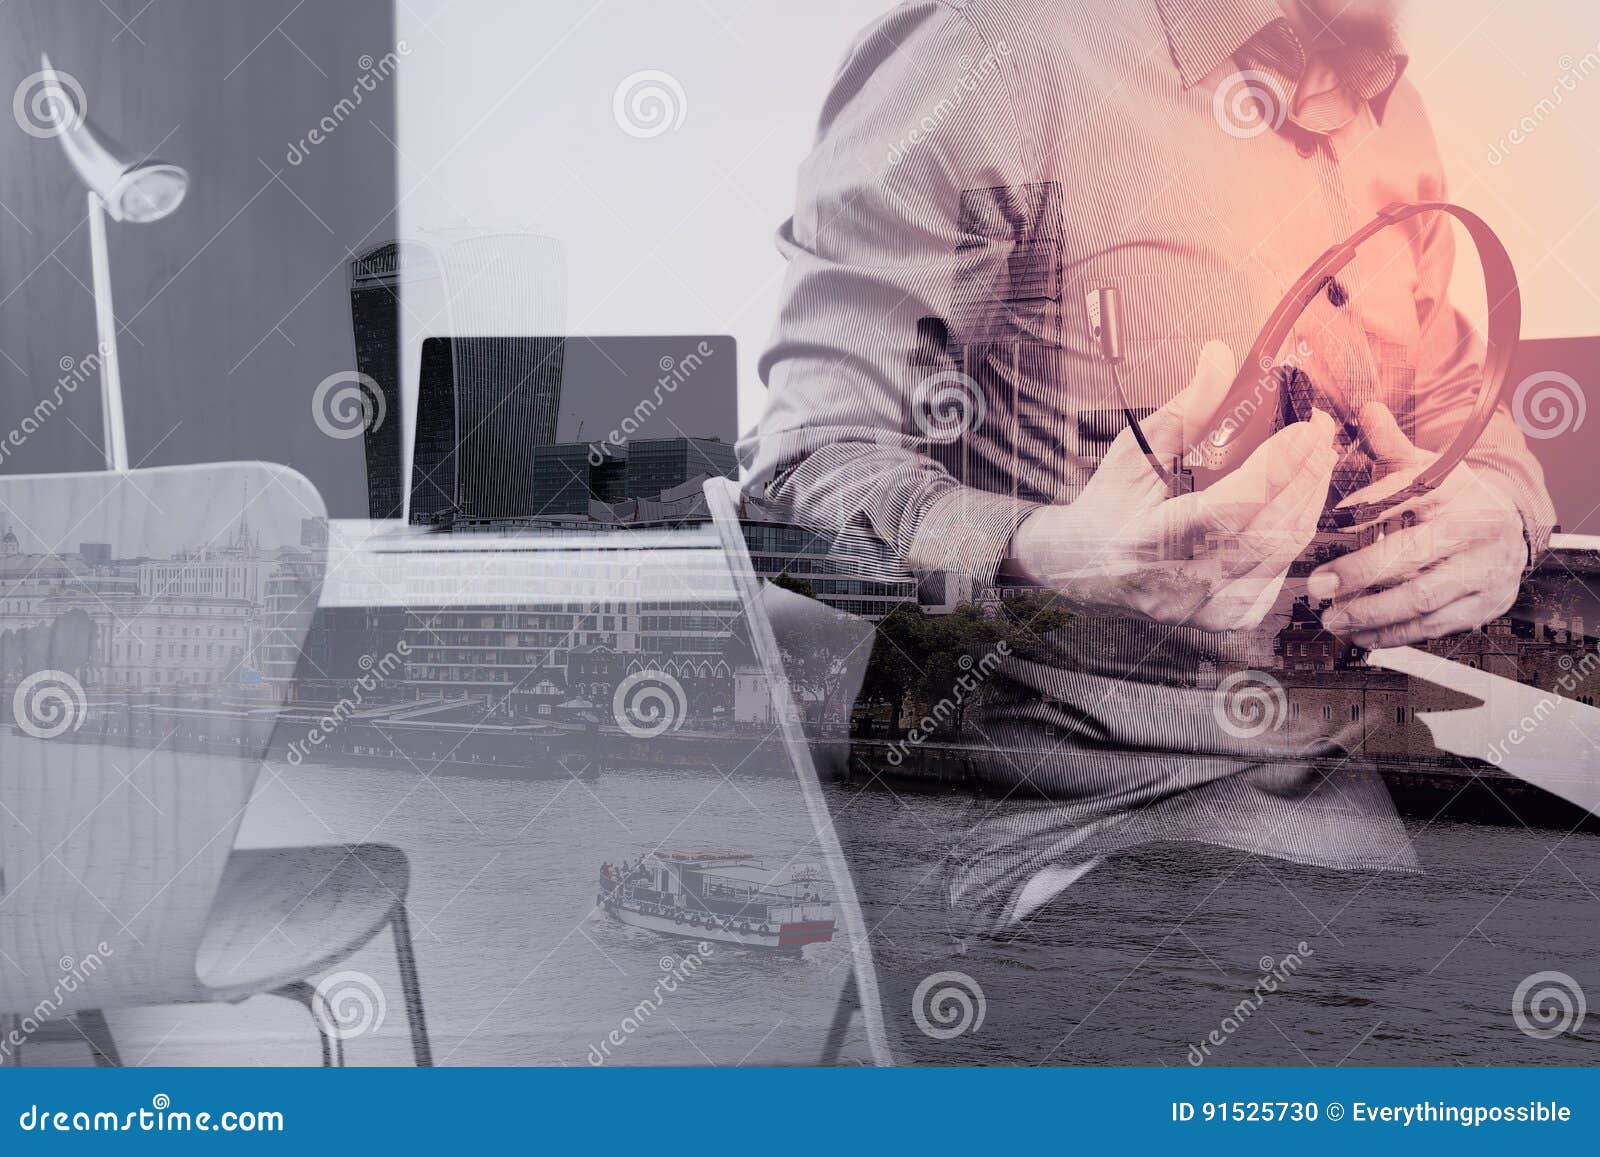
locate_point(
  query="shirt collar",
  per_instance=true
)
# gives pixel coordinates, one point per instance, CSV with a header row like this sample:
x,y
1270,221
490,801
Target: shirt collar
x,y
1204,33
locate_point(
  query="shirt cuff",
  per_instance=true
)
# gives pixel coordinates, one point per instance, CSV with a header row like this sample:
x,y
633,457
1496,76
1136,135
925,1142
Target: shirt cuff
x,y
966,531
1537,521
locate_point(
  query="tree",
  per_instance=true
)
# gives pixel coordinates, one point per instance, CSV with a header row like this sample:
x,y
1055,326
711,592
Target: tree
x,y
799,586
895,666
820,645
1029,620
942,662
10,653
71,642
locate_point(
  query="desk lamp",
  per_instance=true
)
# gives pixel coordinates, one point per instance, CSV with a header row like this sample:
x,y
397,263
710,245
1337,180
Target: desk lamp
x,y
128,189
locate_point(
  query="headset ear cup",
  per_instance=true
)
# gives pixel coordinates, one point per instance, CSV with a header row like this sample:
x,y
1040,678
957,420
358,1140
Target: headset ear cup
x,y
1239,424
1218,450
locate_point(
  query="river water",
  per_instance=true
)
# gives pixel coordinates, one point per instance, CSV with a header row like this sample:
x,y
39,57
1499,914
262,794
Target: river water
x,y
1137,963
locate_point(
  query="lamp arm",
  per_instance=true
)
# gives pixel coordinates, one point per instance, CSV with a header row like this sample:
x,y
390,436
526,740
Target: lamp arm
x,y
113,429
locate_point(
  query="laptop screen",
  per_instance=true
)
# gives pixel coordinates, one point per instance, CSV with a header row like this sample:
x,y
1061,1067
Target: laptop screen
x,y
1552,378
513,427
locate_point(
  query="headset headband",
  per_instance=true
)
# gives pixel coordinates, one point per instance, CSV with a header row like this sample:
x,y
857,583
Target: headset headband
x,y
1504,329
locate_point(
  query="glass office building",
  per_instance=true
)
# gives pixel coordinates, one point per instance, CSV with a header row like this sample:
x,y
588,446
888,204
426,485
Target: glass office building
x,y
483,404
375,322
658,464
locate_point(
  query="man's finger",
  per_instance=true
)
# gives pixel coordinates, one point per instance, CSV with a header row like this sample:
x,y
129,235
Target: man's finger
x,y
1393,559
1189,417
1297,475
1267,513
1280,534
1383,437
1428,593
1256,558
1291,467
1458,616
1290,455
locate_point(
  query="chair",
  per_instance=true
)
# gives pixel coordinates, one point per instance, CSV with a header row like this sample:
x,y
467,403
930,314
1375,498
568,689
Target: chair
x,y
139,700
782,626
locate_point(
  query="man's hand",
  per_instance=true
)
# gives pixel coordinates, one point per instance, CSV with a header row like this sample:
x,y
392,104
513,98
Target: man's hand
x,y
1456,568
1214,560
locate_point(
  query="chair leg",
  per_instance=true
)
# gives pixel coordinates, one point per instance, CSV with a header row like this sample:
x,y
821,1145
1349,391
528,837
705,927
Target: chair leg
x,y
305,994
92,1024
410,987
849,1001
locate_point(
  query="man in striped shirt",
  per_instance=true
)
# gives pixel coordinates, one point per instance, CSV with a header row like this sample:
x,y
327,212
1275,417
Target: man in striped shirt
x,y
982,168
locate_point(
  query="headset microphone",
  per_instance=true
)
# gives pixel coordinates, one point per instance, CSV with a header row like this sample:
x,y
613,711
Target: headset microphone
x,y
1105,324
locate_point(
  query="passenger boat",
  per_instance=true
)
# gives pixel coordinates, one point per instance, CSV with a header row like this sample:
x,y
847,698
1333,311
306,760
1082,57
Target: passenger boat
x,y
720,897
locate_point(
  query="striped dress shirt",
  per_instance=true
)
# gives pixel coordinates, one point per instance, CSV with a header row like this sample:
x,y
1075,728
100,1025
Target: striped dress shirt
x,y
981,165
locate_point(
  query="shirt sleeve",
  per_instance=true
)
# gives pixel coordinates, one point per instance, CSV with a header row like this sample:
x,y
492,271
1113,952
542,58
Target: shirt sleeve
x,y
1449,374
867,413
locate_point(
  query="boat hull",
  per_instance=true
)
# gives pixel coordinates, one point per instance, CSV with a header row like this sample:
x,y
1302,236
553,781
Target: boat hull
x,y
779,938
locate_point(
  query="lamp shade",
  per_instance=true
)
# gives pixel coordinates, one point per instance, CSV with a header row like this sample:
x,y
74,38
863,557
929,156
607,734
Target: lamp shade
x,y
133,188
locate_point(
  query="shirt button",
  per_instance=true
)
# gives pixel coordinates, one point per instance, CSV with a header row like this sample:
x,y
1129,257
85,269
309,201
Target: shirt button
x,y
1306,147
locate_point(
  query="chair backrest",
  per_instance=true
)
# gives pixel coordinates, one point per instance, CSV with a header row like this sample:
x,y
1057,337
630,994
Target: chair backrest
x,y
149,627
780,625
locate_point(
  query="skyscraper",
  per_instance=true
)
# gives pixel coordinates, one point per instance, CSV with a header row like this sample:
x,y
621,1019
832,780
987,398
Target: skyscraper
x,y
433,457
375,320
500,390
483,404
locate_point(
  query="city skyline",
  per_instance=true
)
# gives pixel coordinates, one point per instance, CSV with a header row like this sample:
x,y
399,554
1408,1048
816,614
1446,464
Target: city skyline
x,y
61,532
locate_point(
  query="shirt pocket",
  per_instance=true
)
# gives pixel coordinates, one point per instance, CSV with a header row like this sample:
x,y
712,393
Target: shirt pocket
x,y
1008,282
1166,319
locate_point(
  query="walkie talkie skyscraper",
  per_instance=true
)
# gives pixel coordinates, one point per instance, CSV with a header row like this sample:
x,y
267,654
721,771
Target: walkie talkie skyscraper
x,y
375,289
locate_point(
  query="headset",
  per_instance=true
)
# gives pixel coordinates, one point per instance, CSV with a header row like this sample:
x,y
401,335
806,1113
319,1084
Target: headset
x,y
1503,329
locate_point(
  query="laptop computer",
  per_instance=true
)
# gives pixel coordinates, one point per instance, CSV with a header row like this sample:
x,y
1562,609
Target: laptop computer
x,y
1570,366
